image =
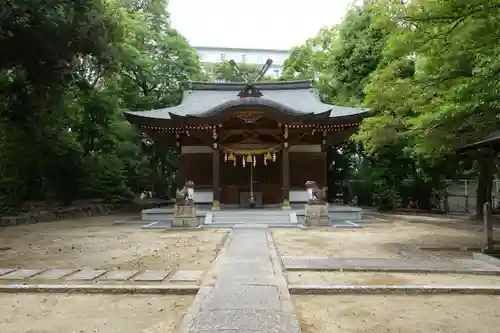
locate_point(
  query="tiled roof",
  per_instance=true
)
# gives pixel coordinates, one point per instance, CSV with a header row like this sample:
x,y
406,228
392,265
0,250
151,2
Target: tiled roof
x,y
490,140
294,98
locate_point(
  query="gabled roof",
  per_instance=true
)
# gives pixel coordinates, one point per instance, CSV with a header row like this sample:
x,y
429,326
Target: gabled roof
x,y
491,140
293,98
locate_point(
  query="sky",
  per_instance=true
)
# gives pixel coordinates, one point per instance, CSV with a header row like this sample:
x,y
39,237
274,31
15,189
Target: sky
x,y
267,24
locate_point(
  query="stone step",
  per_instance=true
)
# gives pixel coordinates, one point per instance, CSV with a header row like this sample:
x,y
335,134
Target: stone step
x,y
218,213
266,225
250,221
251,218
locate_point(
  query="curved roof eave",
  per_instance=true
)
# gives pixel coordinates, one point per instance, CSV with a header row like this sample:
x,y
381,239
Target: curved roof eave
x,y
246,101
491,140
326,111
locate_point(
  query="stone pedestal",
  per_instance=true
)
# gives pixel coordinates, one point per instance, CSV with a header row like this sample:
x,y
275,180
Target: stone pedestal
x,y
185,216
316,215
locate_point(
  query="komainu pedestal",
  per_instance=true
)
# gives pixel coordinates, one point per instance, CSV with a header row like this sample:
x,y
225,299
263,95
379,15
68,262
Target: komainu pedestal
x,y
317,215
185,209
185,216
316,209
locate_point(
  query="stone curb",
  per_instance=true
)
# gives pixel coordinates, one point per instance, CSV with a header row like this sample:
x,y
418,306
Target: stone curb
x,y
284,294
205,289
486,258
450,248
99,289
394,289
394,270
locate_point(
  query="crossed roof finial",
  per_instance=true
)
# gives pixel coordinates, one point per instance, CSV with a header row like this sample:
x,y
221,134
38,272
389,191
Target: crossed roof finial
x,y
250,90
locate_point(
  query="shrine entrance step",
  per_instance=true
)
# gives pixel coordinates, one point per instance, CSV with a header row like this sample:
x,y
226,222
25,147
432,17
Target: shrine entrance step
x,y
269,217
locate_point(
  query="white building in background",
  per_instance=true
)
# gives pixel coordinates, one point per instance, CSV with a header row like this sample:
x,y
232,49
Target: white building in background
x,y
210,55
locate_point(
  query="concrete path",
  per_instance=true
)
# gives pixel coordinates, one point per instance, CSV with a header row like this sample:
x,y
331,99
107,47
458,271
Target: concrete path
x,y
250,293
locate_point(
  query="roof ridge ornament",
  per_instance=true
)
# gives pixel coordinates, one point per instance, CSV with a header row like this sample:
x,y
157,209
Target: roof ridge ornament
x,y
250,90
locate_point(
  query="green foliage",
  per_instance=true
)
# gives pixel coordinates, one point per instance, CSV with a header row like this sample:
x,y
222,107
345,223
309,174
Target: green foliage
x,y
428,70
62,132
223,72
105,178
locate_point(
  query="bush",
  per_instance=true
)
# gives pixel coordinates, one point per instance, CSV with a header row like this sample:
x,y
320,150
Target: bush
x,y
385,196
105,179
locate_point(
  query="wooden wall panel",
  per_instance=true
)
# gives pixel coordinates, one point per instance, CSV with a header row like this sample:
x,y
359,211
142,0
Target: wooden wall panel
x,y
236,179
198,168
307,166
230,194
271,194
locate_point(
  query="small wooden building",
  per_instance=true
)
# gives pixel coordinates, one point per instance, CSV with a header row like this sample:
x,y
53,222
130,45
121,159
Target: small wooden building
x,y
490,141
238,140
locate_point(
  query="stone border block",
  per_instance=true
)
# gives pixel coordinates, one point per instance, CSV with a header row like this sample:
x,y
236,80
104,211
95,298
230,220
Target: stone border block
x,y
100,289
21,274
86,274
118,275
55,274
393,289
486,258
4,271
152,275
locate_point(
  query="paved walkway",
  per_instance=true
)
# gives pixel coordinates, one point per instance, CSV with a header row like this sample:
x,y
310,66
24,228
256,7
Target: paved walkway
x,y
250,293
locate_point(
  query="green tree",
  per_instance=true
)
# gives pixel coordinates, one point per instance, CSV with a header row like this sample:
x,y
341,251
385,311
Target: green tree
x,y
224,72
451,97
62,132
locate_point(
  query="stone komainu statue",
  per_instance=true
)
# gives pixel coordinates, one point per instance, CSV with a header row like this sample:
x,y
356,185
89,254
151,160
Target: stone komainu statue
x,y
314,194
185,195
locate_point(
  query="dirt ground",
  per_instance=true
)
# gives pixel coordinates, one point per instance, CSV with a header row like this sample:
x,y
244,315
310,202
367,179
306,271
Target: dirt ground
x,y
97,243
91,313
374,240
398,314
370,278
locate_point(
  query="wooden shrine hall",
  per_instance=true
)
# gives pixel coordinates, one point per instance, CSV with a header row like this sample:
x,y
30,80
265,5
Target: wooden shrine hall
x,y
250,142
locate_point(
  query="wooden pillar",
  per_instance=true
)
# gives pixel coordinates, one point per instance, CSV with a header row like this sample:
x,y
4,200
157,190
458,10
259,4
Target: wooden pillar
x,y
216,171
285,172
179,176
488,228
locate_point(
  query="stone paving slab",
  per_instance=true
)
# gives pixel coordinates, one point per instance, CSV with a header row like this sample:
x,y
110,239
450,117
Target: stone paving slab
x,y
158,225
55,274
118,275
249,294
248,280
86,274
21,274
152,275
251,320
186,276
4,271
390,265
248,297
213,330
486,258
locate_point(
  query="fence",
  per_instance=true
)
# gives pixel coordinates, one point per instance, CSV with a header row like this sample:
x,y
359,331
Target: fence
x,y
458,196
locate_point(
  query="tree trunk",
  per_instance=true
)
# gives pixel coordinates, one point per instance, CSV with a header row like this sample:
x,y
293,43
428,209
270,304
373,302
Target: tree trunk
x,y
485,182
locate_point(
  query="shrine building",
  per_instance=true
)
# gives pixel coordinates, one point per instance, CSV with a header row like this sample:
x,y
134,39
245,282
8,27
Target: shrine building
x,y
243,142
